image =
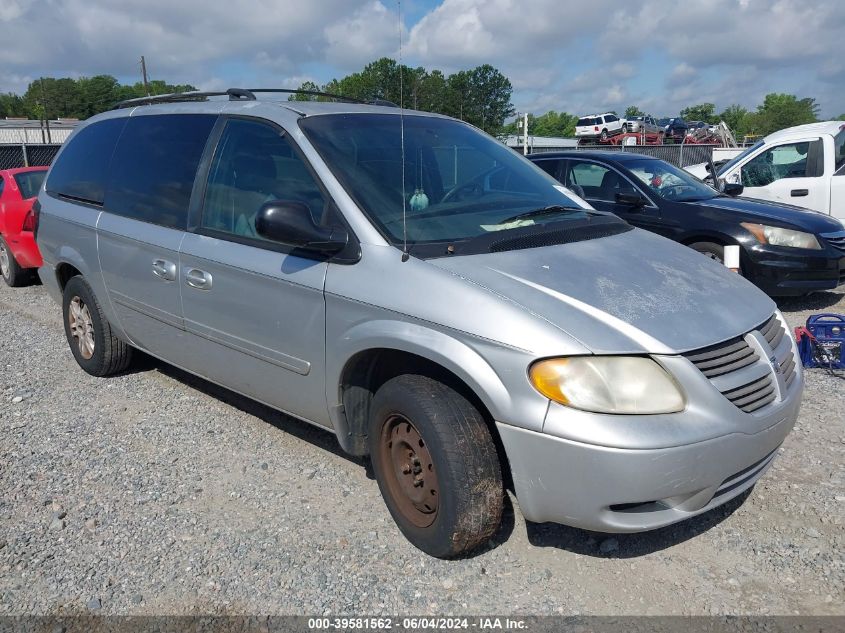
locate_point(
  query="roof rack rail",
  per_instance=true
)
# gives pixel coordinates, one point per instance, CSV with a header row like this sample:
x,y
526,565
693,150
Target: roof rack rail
x,y
241,94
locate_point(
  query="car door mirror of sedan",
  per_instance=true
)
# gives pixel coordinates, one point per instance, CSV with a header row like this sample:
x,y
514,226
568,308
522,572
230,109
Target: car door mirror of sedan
x,y
290,222
732,189
633,199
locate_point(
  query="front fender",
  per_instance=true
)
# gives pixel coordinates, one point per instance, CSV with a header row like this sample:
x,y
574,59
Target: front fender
x,y
505,393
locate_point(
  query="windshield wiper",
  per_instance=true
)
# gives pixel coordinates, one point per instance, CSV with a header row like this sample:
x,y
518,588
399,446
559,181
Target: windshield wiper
x,y
536,213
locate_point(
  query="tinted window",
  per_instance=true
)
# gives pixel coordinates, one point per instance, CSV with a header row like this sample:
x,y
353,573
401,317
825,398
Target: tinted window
x,y
29,182
155,165
254,164
81,169
550,166
585,121
597,182
2,185
610,118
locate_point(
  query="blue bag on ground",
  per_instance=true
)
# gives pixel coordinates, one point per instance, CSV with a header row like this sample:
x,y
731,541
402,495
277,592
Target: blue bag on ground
x,y
821,343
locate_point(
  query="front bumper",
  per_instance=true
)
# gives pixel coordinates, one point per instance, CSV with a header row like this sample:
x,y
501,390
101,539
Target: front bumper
x,y
628,473
779,272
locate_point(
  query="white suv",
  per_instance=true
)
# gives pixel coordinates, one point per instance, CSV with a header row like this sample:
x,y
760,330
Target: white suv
x,y
598,126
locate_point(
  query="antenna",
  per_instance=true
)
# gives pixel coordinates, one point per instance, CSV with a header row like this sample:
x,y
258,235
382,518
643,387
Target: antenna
x,y
405,254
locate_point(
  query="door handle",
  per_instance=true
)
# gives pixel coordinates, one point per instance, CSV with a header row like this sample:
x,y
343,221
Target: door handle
x,y
799,193
198,279
164,269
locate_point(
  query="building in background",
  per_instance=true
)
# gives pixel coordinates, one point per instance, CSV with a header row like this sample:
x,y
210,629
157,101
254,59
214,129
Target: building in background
x,y
33,132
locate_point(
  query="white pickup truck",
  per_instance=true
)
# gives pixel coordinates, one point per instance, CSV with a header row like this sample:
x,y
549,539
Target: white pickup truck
x,y
802,165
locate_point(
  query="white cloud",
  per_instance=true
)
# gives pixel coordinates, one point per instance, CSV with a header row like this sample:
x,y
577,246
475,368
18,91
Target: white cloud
x,y
370,33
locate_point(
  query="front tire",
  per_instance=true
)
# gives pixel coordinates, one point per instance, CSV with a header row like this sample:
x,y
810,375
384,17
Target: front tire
x,y
89,333
436,465
12,273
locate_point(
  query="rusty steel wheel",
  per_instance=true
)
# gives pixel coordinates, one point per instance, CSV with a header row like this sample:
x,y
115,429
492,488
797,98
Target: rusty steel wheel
x,y
436,465
411,476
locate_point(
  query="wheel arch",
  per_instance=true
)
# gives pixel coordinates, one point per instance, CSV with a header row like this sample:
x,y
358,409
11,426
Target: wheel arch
x,y
377,351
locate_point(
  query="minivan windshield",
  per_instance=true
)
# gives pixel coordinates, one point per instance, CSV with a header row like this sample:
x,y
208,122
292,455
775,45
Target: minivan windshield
x,y
669,182
458,182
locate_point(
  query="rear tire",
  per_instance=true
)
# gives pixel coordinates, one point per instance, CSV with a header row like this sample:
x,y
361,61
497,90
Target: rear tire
x,y
604,135
89,333
12,273
436,465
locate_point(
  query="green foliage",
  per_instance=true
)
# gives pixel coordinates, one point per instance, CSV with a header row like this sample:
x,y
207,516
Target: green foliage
x,y
841,117
480,96
702,112
632,111
779,111
77,98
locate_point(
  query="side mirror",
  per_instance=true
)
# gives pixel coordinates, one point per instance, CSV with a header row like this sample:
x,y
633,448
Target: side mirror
x,y
291,223
732,189
633,199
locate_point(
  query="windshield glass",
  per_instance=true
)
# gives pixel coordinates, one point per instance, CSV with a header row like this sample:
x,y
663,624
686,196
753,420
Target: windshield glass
x,y
733,161
29,182
459,183
669,182
839,149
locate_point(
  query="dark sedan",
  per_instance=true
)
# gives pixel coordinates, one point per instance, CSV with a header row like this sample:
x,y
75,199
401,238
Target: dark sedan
x,y
784,250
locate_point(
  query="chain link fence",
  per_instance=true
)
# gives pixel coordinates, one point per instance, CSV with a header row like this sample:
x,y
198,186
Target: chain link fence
x,y
679,155
27,155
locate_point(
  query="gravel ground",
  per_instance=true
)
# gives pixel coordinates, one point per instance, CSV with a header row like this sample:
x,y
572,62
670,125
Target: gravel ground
x,y
158,493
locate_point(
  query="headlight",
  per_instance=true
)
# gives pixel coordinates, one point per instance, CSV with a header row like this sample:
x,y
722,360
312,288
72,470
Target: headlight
x,y
777,236
608,384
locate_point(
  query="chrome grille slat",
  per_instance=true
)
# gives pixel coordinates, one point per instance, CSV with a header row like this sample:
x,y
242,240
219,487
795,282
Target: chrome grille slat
x,y
736,369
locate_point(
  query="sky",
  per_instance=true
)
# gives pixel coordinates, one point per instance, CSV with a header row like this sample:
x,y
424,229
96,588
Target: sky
x,y
583,57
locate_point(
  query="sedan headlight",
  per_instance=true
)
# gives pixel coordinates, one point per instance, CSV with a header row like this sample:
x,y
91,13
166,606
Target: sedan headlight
x,y
777,236
608,384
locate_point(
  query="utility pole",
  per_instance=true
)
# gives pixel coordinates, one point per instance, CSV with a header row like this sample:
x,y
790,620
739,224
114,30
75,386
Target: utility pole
x,y
525,135
144,75
44,106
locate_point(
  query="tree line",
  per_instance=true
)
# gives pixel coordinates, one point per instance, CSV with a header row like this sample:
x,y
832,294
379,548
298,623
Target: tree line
x,y
77,98
480,95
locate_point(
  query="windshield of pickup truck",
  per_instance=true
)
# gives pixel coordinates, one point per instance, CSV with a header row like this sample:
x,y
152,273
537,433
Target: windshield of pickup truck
x,y
733,161
459,183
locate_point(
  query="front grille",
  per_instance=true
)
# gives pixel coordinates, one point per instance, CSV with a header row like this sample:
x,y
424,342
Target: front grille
x,y
836,240
741,374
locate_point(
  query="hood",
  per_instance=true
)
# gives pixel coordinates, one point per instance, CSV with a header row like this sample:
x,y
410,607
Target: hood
x,y
804,219
630,293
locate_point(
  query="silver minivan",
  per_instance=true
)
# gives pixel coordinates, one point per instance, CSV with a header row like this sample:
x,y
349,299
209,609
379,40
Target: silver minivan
x,y
437,301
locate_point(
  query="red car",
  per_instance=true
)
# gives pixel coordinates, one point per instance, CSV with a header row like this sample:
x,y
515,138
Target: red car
x,y
19,256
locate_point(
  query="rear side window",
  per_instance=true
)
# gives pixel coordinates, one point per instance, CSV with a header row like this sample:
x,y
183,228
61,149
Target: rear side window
x,y
81,169
29,182
154,167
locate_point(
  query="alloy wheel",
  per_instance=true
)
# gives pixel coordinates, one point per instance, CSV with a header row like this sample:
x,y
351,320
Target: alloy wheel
x,y
81,327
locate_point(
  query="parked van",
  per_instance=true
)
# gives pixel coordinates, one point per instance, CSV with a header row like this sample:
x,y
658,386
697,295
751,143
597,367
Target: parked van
x,y
431,297
802,165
